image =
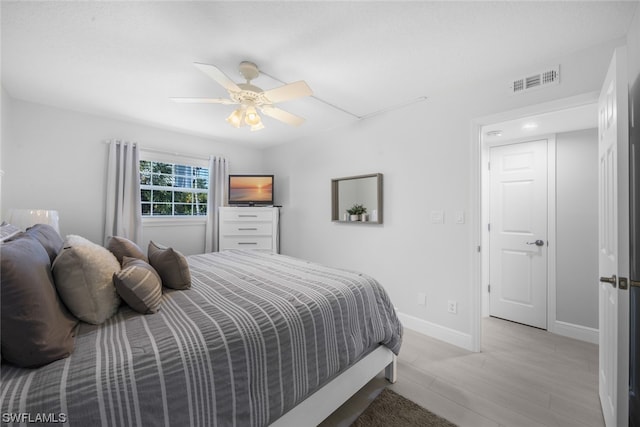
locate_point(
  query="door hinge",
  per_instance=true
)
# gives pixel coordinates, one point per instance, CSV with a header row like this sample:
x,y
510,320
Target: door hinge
x,y
478,248
488,165
489,227
489,288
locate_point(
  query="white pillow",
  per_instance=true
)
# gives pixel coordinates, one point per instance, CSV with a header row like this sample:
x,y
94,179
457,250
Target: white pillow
x,y
83,272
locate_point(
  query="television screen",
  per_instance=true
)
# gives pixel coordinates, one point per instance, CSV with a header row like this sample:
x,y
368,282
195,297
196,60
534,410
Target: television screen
x,y
250,189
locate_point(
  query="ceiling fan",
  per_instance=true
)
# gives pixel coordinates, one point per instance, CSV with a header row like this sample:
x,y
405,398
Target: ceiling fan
x,y
251,98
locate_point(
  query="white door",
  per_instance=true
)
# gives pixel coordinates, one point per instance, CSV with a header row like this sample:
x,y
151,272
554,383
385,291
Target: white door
x,y
518,232
613,243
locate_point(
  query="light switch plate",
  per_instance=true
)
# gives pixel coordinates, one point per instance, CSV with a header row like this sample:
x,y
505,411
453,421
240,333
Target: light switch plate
x,y
422,298
437,217
459,216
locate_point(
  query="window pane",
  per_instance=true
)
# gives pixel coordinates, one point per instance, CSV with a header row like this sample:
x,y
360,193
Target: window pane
x,y
182,209
202,198
201,183
163,180
163,168
162,209
145,166
145,179
183,170
183,181
200,210
162,196
145,195
183,197
146,209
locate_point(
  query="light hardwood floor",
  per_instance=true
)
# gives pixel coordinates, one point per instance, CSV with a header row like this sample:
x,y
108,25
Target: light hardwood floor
x,y
523,377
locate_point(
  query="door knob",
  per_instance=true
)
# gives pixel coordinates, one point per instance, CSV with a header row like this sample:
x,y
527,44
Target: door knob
x,y
613,280
537,243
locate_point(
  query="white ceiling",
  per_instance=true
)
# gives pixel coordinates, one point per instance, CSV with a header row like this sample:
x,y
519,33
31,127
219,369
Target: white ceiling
x,y
565,120
125,59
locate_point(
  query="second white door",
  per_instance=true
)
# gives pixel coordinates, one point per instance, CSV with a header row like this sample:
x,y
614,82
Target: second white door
x,y
518,233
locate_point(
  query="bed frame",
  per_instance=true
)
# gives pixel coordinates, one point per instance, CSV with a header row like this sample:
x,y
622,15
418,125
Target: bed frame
x,y
314,409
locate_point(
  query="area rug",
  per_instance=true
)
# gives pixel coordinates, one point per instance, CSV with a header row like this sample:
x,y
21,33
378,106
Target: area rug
x,y
390,409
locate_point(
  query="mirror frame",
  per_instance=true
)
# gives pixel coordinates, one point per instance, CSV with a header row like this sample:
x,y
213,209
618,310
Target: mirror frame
x,y
335,214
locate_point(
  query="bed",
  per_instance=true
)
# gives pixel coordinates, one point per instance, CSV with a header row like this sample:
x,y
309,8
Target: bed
x,y
259,339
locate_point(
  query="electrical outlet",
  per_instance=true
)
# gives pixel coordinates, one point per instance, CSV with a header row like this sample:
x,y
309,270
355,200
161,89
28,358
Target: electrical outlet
x,y
452,307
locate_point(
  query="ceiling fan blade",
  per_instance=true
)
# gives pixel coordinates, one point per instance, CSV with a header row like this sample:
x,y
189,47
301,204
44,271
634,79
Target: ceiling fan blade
x,y
218,76
283,116
204,101
288,92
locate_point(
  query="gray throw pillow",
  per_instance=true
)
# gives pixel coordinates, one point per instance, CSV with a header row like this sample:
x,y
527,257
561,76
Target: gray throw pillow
x,y
83,272
36,328
139,285
123,247
48,238
171,265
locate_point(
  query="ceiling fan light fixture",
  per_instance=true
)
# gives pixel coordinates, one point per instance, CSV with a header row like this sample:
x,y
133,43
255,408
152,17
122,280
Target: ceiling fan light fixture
x,y
251,117
235,118
251,98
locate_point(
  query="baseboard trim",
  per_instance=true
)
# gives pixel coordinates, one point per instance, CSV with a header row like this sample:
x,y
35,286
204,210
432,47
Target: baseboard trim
x,y
578,332
434,330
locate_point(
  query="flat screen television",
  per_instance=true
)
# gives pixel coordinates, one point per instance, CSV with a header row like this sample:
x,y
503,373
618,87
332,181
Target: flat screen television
x,y
251,190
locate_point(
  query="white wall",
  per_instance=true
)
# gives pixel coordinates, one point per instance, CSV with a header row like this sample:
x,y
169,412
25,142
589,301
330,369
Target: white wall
x,y
633,48
4,108
56,159
424,152
577,228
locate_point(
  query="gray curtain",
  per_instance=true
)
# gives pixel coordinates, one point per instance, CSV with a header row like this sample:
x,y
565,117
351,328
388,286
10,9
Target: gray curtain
x,y
124,212
218,176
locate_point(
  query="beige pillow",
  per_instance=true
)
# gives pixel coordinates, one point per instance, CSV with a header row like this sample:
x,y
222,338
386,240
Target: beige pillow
x,y
123,247
83,273
139,285
171,265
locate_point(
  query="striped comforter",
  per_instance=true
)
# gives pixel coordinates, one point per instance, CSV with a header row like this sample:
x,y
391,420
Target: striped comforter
x,y
255,335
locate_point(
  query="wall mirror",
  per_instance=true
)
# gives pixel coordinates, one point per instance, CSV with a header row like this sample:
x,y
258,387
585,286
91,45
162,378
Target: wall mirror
x,y
357,199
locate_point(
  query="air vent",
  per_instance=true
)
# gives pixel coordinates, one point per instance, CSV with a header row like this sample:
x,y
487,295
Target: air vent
x,y
535,81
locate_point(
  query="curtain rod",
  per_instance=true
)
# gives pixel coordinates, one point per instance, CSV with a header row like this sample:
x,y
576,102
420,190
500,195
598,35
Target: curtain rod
x,y
172,153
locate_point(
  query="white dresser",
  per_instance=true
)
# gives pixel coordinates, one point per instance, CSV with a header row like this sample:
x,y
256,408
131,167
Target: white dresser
x,y
248,228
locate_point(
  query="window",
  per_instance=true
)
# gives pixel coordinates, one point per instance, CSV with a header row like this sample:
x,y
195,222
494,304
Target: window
x,y
170,189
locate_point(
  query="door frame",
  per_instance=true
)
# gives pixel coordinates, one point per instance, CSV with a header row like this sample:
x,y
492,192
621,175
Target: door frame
x,y
485,255
476,249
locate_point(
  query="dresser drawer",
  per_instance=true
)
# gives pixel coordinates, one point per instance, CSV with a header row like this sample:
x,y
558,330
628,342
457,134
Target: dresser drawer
x,y
248,214
246,228
249,242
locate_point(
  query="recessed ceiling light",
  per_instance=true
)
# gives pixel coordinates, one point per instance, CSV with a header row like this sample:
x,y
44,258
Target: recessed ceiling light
x,y
529,126
494,133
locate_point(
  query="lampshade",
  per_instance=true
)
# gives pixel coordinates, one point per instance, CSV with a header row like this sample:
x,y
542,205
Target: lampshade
x,y
252,118
235,118
25,218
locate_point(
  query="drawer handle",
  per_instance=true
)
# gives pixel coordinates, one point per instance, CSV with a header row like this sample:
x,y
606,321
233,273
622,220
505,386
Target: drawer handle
x,y
247,229
248,216
247,243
